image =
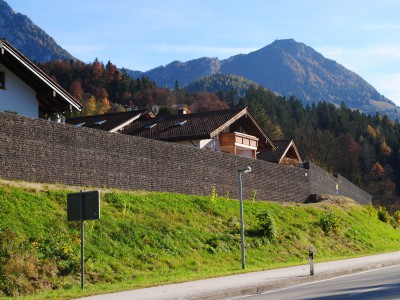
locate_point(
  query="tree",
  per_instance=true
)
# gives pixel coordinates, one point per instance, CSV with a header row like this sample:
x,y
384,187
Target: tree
x,y
89,107
76,90
376,171
103,106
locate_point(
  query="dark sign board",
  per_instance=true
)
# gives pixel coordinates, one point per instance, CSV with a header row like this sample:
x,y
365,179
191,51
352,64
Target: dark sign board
x,y
83,206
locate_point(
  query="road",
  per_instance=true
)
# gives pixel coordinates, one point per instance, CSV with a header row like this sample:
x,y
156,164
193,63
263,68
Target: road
x,y
376,284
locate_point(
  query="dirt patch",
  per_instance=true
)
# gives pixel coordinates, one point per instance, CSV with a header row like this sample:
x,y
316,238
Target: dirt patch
x,y
35,185
332,199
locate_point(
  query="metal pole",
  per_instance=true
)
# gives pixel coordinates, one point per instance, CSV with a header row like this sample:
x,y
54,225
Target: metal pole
x,y
82,255
242,222
82,246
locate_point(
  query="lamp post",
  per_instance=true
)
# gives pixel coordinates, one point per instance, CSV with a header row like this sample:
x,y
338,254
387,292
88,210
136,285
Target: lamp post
x,y
244,169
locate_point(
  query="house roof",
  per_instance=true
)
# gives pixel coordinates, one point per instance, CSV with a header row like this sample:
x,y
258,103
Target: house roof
x,y
284,148
51,96
110,122
204,125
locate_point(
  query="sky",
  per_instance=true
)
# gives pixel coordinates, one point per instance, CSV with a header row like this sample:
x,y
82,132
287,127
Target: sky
x,y
361,35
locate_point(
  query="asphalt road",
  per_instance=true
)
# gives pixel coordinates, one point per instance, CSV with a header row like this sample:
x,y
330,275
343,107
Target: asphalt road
x,y
381,283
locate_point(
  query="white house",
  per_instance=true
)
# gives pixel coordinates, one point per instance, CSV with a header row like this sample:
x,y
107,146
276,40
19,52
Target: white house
x,y
26,90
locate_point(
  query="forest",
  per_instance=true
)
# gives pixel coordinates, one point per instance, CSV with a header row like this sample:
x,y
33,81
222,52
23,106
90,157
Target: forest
x,y
360,147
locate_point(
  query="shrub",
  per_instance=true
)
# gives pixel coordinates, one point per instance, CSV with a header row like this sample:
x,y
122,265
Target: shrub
x,y
371,210
329,223
267,225
213,196
396,217
383,215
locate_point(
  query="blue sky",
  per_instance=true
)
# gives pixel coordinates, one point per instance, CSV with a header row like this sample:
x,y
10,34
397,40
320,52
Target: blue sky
x,y
362,35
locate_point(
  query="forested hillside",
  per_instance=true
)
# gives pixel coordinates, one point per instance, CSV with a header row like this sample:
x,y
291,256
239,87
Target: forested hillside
x,y
104,88
362,148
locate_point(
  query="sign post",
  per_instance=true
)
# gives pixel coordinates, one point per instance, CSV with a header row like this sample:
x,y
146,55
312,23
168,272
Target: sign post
x,y
83,206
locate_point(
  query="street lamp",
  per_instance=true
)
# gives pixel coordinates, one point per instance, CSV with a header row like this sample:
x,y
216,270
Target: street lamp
x,y
244,169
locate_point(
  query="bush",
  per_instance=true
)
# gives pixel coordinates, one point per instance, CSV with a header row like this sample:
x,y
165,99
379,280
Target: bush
x,y
371,210
383,215
329,223
267,225
396,217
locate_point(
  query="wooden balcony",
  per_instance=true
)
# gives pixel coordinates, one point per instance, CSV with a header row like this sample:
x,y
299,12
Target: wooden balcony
x,y
233,141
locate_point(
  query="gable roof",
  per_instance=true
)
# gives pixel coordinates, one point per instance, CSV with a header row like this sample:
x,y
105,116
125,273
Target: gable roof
x,y
110,122
284,148
204,125
51,96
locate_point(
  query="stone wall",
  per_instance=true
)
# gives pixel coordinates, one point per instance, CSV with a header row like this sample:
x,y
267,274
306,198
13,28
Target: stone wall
x,y
321,182
44,151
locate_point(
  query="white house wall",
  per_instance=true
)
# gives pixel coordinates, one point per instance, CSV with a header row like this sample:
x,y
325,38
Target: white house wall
x,y
18,96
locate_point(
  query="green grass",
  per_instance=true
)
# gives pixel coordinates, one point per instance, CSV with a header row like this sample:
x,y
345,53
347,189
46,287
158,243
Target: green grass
x,y
145,239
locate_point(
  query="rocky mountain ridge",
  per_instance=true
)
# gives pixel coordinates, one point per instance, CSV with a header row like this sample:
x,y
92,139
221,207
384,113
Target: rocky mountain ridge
x,y
288,68
28,38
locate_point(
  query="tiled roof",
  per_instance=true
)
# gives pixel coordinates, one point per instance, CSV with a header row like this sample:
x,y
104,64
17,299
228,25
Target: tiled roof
x,y
283,148
204,125
109,122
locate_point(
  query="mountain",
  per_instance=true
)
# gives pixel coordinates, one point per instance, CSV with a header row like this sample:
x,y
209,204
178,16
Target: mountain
x,y
288,68
184,73
28,38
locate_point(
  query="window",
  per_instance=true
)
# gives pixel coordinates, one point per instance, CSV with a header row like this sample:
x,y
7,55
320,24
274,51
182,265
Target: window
x,y
180,123
80,124
100,122
2,81
150,126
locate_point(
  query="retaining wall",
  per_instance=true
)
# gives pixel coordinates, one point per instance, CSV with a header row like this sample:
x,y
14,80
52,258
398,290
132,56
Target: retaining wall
x,y
44,151
321,182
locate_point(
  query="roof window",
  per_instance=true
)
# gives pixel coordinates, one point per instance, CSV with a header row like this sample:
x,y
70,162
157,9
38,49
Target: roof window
x,y
80,124
150,126
100,122
180,123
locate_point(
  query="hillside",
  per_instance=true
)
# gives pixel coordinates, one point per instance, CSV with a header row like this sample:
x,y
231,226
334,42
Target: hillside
x,y
28,38
288,68
145,239
229,87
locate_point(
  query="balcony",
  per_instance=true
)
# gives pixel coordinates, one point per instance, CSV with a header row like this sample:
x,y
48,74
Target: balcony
x,y
236,143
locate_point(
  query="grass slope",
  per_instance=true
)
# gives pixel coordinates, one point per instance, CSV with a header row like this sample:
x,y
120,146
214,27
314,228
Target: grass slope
x,y
144,239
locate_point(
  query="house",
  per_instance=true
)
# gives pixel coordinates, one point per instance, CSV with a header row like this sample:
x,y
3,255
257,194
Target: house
x,y
25,89
285,153
112,122
232,131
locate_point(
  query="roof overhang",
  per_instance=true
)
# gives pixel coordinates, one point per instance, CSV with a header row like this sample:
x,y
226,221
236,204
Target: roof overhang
x,y
261,134
51,96
293,150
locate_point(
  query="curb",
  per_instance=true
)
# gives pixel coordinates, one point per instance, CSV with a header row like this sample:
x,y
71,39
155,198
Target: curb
x,y
267,286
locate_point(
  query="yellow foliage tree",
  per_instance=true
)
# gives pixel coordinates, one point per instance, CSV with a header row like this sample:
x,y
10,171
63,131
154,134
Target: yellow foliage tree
x,y
103,106
385,149
89,107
